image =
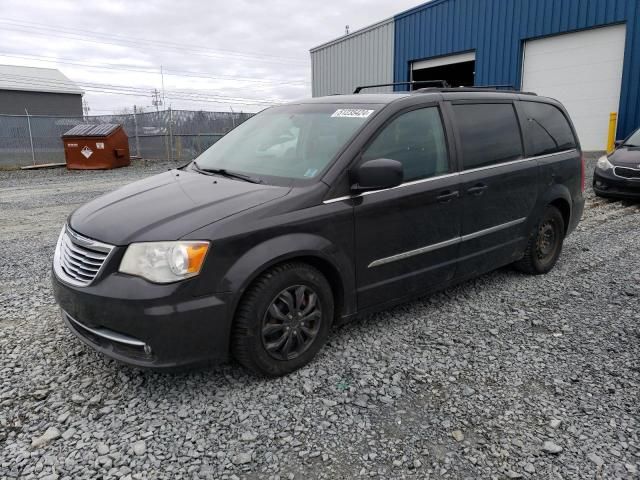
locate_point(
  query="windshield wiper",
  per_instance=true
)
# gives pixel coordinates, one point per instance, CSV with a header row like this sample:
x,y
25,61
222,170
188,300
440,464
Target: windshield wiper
x,y
226,173
630,145
198,169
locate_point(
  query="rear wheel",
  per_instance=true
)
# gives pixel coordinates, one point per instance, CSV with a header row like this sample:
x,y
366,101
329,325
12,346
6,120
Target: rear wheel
x,y
545,243
283,320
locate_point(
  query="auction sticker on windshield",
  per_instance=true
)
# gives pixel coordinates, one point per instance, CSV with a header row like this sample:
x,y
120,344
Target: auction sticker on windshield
x,y
351,113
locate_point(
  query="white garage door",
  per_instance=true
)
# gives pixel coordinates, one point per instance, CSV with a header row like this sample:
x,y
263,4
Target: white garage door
x,y
584,71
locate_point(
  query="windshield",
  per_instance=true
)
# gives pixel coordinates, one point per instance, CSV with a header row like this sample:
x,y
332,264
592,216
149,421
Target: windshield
x,y
292,141
634,140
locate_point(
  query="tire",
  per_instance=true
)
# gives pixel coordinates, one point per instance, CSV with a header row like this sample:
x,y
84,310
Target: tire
x,y
544,245
293,302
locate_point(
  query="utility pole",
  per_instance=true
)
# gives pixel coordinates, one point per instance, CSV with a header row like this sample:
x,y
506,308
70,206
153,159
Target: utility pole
x,y
135,128
164,100
33,153
157,101
170,134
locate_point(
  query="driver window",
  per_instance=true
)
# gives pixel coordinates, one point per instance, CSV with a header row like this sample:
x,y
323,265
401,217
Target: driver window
x,y
415,139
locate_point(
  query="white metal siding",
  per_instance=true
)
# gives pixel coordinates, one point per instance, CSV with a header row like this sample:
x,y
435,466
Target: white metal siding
x,y
34,79
584,71
364,57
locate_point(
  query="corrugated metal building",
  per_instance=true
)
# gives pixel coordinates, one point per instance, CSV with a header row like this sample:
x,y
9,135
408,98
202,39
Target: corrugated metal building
x,y
41,91
586,53
365,56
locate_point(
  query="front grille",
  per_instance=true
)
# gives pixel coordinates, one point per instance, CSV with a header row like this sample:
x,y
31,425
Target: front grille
x,y
627,172
78,259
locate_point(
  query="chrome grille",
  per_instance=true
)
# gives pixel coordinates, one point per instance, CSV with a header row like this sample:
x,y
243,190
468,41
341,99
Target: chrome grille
x,y
78,259
626,172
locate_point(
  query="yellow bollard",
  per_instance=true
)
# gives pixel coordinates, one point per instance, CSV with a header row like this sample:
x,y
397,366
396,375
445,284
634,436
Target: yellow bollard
x,y
611,140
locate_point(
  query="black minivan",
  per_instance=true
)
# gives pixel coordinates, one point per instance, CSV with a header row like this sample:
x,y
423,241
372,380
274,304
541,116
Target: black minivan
x,y
313,213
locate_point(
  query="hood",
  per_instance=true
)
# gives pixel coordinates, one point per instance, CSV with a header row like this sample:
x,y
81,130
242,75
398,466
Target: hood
x,y
626,157
167,207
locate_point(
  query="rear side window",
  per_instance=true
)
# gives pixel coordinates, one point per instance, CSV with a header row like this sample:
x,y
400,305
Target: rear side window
x,y
548,130
415,139
489,133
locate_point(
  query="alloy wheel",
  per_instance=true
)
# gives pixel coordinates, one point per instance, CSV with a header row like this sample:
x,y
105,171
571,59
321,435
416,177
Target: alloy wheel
x,y
291,323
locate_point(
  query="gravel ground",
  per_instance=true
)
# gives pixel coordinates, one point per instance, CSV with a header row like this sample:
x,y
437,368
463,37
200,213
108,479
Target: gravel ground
x,y
506,376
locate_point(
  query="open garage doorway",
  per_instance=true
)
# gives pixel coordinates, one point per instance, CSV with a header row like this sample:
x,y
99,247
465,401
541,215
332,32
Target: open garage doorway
x,y
457,70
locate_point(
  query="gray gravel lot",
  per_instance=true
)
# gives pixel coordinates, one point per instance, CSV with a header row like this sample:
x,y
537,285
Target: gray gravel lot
x,y
506,376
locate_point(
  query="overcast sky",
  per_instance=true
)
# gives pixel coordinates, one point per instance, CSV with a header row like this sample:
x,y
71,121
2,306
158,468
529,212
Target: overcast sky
x,y
257,51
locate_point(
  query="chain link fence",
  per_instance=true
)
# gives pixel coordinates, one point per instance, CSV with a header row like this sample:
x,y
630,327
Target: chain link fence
x,y
168,134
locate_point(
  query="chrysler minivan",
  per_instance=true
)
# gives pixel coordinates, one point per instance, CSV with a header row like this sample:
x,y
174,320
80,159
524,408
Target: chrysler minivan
x,y
313,213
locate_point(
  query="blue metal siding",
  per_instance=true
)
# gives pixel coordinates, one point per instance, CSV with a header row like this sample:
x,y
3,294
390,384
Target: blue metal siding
x,y
497,29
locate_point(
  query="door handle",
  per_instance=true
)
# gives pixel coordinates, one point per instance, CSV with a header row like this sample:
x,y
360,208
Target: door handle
x,y
478,189
447,196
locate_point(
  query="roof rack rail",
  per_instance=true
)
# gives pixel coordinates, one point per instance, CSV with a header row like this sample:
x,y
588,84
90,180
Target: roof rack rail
x,y
481,88
440,83
471,88
506,86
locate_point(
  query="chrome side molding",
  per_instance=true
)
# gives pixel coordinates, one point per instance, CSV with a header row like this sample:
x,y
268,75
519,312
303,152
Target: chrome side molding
x,y
497,228
446,243
412,253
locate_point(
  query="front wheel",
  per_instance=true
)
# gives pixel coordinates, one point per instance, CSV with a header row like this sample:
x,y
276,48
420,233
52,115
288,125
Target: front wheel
x,y
283,320
545,244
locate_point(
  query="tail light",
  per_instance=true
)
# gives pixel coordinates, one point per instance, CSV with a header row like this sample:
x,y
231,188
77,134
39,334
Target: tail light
x,y
582,172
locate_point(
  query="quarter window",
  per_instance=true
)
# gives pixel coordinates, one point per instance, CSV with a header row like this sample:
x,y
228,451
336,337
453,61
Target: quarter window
x,y
548,130
489,134
415,139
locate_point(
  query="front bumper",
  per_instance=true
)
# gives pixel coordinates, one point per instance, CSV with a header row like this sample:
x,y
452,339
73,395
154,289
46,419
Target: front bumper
x,y
146,325
606,184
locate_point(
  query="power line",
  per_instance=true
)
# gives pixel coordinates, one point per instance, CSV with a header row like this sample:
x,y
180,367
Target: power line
x,y
64,83
114,112
109,40
171,72
111,36
136,91
37,29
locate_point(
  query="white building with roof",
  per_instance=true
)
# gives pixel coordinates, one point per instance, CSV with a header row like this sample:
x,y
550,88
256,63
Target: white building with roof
x,y
39,91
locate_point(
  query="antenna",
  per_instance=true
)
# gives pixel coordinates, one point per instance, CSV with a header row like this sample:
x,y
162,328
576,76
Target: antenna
x,y
164,100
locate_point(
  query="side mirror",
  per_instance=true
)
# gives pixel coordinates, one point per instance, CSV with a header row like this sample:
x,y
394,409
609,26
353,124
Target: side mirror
x,y
618,143
377,175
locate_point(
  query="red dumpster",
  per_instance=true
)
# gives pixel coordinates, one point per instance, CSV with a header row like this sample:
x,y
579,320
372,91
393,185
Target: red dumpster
x,y
93,147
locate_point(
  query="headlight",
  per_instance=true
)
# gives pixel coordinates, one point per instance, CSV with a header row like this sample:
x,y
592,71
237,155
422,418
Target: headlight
x,y
604,163
164,262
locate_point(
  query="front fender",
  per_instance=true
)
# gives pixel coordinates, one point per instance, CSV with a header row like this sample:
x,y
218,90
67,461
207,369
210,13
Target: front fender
x,y
279,249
